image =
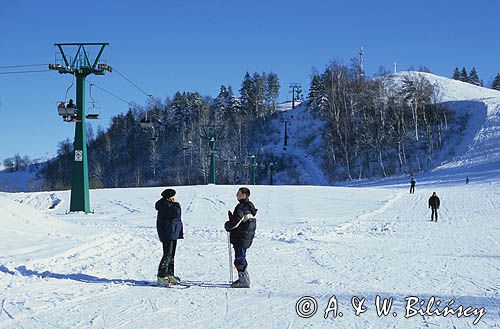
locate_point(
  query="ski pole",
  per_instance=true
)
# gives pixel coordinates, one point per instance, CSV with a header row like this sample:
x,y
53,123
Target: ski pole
x,y
230,258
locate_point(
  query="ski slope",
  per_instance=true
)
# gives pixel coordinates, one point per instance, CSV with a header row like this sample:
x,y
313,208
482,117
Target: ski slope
x,y
61,270
480,148
372,238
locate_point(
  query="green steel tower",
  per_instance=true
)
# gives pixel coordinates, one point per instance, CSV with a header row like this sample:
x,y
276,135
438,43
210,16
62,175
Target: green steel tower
x,y
212,133
80,65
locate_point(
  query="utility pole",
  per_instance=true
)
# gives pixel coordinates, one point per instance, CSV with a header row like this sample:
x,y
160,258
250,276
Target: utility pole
x,y
295,90
212,133
271,172
361,61
254,167
81,66
285,144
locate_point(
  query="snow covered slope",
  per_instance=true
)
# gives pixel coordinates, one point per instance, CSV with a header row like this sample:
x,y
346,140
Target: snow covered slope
x,y
62,270
480,149
301,153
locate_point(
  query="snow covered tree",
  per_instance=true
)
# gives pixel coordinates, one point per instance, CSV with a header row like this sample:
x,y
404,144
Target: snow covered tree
x,y
456,74
464,76
496,83
272,91
246,93
474,78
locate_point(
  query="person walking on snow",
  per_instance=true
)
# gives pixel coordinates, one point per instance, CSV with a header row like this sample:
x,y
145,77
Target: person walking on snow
x,y
412,187
169,227
241,225
434,205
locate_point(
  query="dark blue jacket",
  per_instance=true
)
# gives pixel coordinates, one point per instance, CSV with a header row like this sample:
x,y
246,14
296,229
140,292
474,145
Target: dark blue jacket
x,y
242,234
168,221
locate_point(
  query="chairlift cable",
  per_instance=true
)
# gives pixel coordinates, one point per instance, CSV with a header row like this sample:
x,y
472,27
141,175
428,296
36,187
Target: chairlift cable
x,y
109,93
16,72
133,84
26,65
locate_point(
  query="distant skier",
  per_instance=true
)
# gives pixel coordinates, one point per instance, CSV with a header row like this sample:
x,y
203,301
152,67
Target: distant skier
x,y
169,227
434,206
241,225
467,180
412,185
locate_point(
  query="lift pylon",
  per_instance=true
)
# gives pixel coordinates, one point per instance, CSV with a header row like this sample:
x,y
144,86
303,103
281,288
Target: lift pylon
x,y
80,65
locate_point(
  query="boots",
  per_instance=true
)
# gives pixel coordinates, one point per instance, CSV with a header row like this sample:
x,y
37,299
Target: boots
x,y
243,280
170,271
167,281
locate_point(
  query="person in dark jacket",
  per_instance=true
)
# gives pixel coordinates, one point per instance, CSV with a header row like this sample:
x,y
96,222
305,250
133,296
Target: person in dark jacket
x,y
412,185
242,225
434,206
169,227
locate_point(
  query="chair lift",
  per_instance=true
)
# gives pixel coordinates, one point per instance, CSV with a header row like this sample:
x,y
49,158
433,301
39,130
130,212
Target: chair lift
x,y
68,113
154,135
146,121
93,115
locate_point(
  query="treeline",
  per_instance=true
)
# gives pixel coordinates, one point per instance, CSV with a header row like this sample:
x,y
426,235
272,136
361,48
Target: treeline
x,y
17,163
173,150
377,127
470,77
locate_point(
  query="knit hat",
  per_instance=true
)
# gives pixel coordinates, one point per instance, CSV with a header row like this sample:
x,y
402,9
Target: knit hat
x,y
168,193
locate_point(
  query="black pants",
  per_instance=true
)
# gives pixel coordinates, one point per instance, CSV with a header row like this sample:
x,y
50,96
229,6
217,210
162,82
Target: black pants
x,y
434,213
166,267
412,189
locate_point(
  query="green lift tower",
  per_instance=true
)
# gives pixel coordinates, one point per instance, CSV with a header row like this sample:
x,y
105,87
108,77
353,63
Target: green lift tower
x,y
80,65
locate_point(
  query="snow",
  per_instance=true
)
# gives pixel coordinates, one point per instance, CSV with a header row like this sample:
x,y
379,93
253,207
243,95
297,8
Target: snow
x,y
85,271
60,270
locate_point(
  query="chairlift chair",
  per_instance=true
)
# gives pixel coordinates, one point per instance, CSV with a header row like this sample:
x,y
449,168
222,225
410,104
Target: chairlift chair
x,y
92,115
67,113
145,122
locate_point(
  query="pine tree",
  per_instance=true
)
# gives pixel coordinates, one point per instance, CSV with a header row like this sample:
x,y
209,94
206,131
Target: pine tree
x,y
316,94
456,74
474,78
496,83
260,108
232,102
464,76
246,92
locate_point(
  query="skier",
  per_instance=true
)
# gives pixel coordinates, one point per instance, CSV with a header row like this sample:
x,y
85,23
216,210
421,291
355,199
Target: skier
x,y
434,205
467,180
412,187
169,227
241,225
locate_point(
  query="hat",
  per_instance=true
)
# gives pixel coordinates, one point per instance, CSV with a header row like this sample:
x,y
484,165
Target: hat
x,y
168,193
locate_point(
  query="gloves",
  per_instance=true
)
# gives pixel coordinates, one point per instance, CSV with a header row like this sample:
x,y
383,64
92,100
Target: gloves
x,y
229,214
227,226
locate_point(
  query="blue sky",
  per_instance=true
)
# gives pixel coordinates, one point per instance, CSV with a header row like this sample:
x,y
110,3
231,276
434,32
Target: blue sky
x,y
165,46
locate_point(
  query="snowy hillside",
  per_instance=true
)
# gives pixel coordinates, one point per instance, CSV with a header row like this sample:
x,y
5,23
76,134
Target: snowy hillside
x,y
481,144
303,164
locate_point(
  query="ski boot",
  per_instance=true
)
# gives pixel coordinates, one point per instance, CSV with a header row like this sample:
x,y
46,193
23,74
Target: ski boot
x,y
164,282
243,280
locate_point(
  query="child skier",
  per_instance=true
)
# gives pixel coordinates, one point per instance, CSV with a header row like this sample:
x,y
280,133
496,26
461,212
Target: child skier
x,y
241,225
